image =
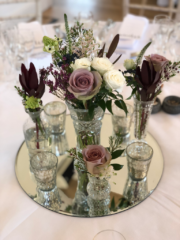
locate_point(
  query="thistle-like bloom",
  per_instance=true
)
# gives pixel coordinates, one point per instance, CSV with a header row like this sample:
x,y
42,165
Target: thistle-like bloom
x,y
29,82
50,45
148,80
32,102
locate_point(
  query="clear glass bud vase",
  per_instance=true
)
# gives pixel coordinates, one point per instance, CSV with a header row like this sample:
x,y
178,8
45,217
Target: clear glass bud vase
x,y
142,112
87,129
98,196
36,133
80,205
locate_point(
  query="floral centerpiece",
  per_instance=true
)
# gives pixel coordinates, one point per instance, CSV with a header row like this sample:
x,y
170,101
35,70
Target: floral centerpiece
x,y
96,162
84,77
31,91
146,81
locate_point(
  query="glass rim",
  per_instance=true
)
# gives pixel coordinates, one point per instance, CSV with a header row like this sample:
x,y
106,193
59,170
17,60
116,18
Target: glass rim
x,y
137,159
163,15
54,115
42,168
109,230
139,101
132,108
81,110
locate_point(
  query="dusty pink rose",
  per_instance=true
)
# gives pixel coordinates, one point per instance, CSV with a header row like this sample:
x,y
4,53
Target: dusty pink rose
x,y
96,158
158,61
84,84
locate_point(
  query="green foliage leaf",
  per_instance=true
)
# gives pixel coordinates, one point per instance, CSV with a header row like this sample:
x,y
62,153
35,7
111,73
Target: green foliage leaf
x,y
132,93
116,166
102,104
112,207
112,95
117,153
141,54
68,34
91,111
124,203
80,155
109,106
121,104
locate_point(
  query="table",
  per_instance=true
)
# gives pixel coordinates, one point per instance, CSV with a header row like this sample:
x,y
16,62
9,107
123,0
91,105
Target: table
x,y
157,218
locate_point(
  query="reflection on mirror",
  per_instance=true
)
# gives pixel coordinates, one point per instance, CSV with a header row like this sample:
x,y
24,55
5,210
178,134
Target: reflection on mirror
x,y
56,185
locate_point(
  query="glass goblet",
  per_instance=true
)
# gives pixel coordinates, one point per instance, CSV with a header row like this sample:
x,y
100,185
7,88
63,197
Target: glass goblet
x,y
109,235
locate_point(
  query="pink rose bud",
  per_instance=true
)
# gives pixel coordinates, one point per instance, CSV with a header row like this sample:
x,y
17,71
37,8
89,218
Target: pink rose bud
x,y
84,84
158,61
96,158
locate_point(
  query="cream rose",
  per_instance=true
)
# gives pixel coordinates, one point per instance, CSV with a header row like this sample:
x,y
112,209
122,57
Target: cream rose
x,y
81,63
129,64
114,79
102,65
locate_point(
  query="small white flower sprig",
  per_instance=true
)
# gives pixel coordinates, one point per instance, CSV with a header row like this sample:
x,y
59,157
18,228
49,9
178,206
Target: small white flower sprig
x,y
107,169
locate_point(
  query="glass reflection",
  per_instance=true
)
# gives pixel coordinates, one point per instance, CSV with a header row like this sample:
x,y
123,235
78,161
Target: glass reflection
x,y
80,205
135,191
98,196
59,144
49,199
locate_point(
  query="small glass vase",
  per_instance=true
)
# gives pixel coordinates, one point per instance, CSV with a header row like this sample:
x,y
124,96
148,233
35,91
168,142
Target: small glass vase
x,y
80,205
87,129
36,133
142,112
98,196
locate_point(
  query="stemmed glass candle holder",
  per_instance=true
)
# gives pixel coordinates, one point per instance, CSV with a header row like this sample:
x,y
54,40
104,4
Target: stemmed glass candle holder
x,y
109,235
44,167
122,123
139,155
56,116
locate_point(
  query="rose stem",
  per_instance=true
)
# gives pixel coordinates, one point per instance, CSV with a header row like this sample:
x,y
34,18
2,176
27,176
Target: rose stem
x,y
37,134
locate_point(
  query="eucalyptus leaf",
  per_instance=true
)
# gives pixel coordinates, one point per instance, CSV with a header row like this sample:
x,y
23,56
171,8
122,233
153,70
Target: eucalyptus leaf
x,y
116,166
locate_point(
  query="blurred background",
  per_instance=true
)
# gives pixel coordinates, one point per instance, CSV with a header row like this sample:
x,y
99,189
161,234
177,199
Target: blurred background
x,y
23,23
48,11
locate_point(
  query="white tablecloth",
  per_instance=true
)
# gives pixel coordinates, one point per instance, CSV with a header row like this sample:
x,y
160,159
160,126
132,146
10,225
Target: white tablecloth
x,y
157,218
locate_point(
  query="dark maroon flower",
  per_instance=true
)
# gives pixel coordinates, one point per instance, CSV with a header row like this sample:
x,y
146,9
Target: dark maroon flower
x,y
148,80
29,81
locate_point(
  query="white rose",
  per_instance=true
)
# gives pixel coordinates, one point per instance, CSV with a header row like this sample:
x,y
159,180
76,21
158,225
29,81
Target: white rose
x,y
81,63
114,79
102,65
129,64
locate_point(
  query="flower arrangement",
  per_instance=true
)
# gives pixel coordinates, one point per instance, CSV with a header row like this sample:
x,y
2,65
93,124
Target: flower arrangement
x,y
31,92
96,160
146,81
83,74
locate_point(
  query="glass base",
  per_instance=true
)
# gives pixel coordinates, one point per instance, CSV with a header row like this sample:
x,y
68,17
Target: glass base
x,y
109,235
49,199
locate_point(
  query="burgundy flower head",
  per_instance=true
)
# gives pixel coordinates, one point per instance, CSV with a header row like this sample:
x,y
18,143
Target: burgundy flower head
x,y
148,79
29,82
